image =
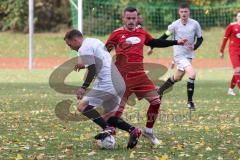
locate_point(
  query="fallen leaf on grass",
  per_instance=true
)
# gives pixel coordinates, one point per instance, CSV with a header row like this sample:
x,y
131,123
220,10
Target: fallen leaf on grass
x,y
164,157
19,157
220,158
206,128
91,153
69,150
208,149
38,156
132,154
183,155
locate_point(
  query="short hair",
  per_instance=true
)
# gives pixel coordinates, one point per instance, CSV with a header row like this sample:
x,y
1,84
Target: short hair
x,y
72,34
183,5
130,9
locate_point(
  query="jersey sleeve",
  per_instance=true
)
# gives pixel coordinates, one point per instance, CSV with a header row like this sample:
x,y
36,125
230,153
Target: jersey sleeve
x,y
112,41
148,38
170,29
198,30
225,38
87,56
228,31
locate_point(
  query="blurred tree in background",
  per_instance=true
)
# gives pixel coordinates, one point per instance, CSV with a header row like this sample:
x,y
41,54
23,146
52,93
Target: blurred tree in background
x,y
99,15
50,15
13,14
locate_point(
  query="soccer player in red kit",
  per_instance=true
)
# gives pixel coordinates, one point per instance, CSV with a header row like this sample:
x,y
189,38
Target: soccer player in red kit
x,y
233,33
129,42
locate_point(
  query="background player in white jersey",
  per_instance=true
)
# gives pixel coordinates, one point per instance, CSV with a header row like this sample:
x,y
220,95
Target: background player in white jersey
x,y
109,85
189,29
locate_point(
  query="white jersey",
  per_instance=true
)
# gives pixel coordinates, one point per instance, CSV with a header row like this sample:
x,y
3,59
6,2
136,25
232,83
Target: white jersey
x,y
189,31
93,51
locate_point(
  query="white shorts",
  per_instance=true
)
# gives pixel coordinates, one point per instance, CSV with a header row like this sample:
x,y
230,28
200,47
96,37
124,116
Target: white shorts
x,y
106,96
182,63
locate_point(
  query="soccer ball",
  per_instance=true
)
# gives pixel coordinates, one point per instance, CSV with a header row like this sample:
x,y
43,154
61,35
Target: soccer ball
x,y
106,143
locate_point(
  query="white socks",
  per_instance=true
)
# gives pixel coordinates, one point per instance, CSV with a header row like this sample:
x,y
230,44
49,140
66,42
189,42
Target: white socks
x,y
148,130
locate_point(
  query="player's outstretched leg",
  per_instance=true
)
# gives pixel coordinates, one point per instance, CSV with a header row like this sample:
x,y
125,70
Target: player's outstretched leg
x,y
134,132
169,83
190,91
92,114
152,115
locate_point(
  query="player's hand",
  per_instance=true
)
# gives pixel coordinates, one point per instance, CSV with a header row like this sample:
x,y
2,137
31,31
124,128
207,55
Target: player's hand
x,y
149,51
221,55
80,92
77,67
181,41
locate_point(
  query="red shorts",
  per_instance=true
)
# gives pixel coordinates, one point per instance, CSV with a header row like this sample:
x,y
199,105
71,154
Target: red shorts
x,y
235,57
140,85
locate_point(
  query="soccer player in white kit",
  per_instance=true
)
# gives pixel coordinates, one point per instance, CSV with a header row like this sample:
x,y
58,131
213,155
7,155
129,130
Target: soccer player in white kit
x,y
189,29
108,89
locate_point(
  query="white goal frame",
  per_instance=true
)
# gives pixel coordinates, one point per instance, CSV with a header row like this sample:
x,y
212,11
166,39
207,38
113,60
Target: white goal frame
x,y
79,7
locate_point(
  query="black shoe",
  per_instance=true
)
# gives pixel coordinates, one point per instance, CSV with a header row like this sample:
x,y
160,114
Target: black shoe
x,y
133,139
191,106
106,132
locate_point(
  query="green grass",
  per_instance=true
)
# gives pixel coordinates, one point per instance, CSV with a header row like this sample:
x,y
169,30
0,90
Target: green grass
x,y
52,45
29,126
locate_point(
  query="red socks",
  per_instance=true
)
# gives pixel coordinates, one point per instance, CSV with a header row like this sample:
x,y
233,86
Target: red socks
x,y
152,112
233,82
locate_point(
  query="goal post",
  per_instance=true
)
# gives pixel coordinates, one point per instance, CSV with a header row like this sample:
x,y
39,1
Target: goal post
x,y
31,32
80,15
77,19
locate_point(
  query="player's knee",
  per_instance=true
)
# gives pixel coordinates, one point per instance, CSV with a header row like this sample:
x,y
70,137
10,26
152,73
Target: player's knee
x,y
193,75
81,106
155,101
237,70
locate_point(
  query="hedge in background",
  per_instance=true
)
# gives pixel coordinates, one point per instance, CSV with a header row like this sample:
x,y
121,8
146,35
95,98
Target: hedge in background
x,y
50,15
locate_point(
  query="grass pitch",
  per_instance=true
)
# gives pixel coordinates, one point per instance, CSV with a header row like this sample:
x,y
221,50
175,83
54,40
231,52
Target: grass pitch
x,y
30,129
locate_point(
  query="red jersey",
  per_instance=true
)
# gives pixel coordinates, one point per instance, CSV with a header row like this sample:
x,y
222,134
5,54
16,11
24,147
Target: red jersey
x,y
233,33
129,48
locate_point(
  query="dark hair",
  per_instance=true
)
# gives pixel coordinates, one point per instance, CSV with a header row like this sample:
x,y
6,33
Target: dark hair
x,y
184,5
72,34
130,9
